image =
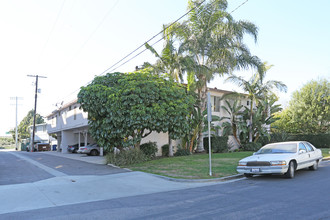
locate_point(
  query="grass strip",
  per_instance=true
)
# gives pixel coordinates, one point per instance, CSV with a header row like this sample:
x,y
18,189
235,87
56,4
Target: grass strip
x,y
194,166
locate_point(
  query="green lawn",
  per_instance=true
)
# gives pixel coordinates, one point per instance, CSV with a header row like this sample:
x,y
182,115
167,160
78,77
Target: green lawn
x,y
197,166
325,152
193,167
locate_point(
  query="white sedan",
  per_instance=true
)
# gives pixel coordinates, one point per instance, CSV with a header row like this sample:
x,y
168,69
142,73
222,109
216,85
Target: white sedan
x,y
281,158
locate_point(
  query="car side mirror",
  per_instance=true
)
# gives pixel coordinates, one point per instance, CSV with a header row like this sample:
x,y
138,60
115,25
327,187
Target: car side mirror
x,y
302,151
254,153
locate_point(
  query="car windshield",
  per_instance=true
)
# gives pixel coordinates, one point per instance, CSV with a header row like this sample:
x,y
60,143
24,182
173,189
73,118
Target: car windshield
x,y
278,149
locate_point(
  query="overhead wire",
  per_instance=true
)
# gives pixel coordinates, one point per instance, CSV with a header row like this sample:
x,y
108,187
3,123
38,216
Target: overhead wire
x,y
142,45
91,35
114,67
51,31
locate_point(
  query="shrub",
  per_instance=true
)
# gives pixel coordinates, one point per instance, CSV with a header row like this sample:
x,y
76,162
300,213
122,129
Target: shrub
x,y
318,140
127,157
274,137
219,144
182,152
279,137
165,150
251,146
149,149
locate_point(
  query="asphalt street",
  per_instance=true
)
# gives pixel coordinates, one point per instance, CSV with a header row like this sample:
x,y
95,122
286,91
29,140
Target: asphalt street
x,y
15,170
142,196
27,167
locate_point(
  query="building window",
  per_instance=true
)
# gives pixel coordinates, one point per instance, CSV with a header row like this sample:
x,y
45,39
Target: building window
x,y
247,103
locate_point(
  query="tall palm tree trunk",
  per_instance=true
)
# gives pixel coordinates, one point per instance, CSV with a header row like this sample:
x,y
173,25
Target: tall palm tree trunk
x,y
251,120
202,95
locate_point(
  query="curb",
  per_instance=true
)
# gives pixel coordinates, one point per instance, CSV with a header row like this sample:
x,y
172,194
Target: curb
x,y
221,179
326,158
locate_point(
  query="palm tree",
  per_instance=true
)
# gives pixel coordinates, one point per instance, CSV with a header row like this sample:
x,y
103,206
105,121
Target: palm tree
x,y
264,117
231,125
171,63
257,89
215,42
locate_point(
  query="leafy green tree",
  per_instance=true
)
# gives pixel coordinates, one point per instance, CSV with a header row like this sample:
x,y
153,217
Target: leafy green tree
x,y
6,141
308,111
214,41
257,90
123,108
23,127
170,63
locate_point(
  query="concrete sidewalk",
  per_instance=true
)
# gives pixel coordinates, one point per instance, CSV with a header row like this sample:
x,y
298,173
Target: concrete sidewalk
x,y
66,190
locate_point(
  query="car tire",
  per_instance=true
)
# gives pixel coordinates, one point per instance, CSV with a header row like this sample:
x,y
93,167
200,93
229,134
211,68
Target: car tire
x,y
248,175
315,166
94,153
291,170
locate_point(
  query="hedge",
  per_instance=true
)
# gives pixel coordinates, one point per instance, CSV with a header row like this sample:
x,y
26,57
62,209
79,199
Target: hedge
x,y
318,140
219,144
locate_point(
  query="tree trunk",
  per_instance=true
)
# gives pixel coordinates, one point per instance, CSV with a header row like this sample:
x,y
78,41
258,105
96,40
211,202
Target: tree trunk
x,y
235,133
202,95
250,125
170,147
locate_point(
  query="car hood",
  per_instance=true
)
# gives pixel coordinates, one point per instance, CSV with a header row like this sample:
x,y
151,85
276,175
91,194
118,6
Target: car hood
x,y
268,157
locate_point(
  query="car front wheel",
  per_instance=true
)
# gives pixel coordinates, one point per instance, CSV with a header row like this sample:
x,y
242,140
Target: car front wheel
x,y
291,170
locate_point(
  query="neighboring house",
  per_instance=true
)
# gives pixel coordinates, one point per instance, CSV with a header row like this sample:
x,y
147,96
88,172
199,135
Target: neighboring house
x,y
70,123
41,134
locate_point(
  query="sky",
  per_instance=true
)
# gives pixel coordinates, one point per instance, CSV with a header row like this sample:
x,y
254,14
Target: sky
x,y
72,41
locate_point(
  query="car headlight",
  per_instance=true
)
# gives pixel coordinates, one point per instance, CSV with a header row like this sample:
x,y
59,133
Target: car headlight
x,y
241,163
278,163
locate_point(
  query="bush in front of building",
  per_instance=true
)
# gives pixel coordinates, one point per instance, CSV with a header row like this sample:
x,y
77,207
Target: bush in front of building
x,y
251,146
149,149
127,157
318,140
219,144
165,150
182,152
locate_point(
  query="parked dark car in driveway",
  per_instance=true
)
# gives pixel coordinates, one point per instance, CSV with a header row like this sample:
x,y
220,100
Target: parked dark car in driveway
x,y
74,148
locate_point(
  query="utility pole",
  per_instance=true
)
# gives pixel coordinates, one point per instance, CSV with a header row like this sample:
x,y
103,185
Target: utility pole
x,y
16,134
35,108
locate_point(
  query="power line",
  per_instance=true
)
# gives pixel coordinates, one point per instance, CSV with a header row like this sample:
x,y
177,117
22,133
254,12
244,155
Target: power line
x,y
159,39
151,38
91,35
51,31
238,7
114,65
142,45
